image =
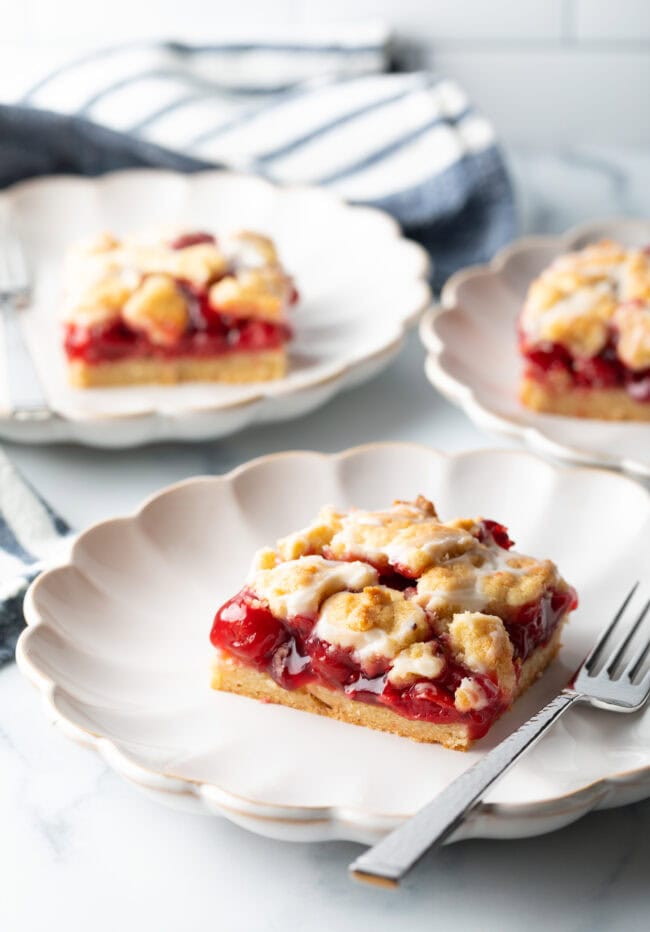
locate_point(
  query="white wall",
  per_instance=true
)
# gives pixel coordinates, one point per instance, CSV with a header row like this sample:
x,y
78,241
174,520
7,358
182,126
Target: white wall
x,y
546,71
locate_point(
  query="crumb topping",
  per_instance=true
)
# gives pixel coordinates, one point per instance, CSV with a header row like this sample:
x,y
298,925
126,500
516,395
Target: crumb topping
x,y
459,589
586,298
422,660
481,642
261,292
249,249
108,278
159,309
632,322
199,264
377,622
409,536
299,587
470,696
487,578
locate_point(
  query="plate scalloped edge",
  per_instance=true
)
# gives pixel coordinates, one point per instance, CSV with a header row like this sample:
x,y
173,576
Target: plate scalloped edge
x,y
305,823
156,423
465,397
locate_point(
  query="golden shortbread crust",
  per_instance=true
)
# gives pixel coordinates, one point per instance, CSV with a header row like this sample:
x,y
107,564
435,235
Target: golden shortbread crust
x,y
262,366
229,675
609,404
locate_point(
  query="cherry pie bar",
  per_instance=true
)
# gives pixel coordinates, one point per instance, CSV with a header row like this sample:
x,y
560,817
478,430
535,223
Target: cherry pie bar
x,y
188,308
395,620
584,333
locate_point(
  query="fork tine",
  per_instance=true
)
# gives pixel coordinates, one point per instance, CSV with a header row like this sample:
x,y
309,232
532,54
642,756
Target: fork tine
x,y
596,651
637,660
613,661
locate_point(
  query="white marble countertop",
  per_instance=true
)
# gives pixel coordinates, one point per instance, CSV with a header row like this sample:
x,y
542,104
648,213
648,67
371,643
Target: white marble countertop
x,y
80,849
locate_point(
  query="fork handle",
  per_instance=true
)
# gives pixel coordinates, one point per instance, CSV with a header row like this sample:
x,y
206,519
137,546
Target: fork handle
x,y
26,397
389,860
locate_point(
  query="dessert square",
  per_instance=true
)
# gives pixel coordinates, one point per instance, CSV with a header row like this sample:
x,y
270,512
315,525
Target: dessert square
x,y
584,333
395,620
189,307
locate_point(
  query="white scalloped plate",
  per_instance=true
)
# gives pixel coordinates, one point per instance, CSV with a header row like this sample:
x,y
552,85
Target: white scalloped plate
x,y
473,358
350,322
118,646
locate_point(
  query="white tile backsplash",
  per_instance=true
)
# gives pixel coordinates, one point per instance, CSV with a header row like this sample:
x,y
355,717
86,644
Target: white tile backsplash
x,y
604,19
556,96
545,71
433,20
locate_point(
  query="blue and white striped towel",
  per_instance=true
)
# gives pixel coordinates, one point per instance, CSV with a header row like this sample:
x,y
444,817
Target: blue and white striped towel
x,y
314,107
31,535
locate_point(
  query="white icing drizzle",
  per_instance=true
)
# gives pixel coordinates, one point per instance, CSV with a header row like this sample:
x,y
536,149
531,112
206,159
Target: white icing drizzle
x,y
427,665
473,695
372,643
299,587
471,595
400,551
242,252
537,322
303,586
346,537
601,275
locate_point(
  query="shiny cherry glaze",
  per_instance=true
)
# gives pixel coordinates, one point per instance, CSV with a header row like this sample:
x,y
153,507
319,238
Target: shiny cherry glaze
x,y
210,333
493,531
115,341
293,656
605,370
192,239
533,624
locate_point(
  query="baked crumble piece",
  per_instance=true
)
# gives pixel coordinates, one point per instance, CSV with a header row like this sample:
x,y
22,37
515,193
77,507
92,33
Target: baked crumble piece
x,y
584,333
187,307
393,619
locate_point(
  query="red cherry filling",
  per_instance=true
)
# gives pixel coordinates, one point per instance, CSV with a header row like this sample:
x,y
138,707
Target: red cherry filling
x,y
210,334
434,701
192,239
547,357
248,630
293,656
605,370
602,371
492,530
533,624
394,575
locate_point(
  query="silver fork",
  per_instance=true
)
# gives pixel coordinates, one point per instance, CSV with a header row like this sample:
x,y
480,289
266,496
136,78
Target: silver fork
x,y
614,685
26,397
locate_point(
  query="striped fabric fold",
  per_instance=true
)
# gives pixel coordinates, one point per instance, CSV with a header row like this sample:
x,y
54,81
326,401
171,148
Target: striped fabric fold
x,y
311,106
32,535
